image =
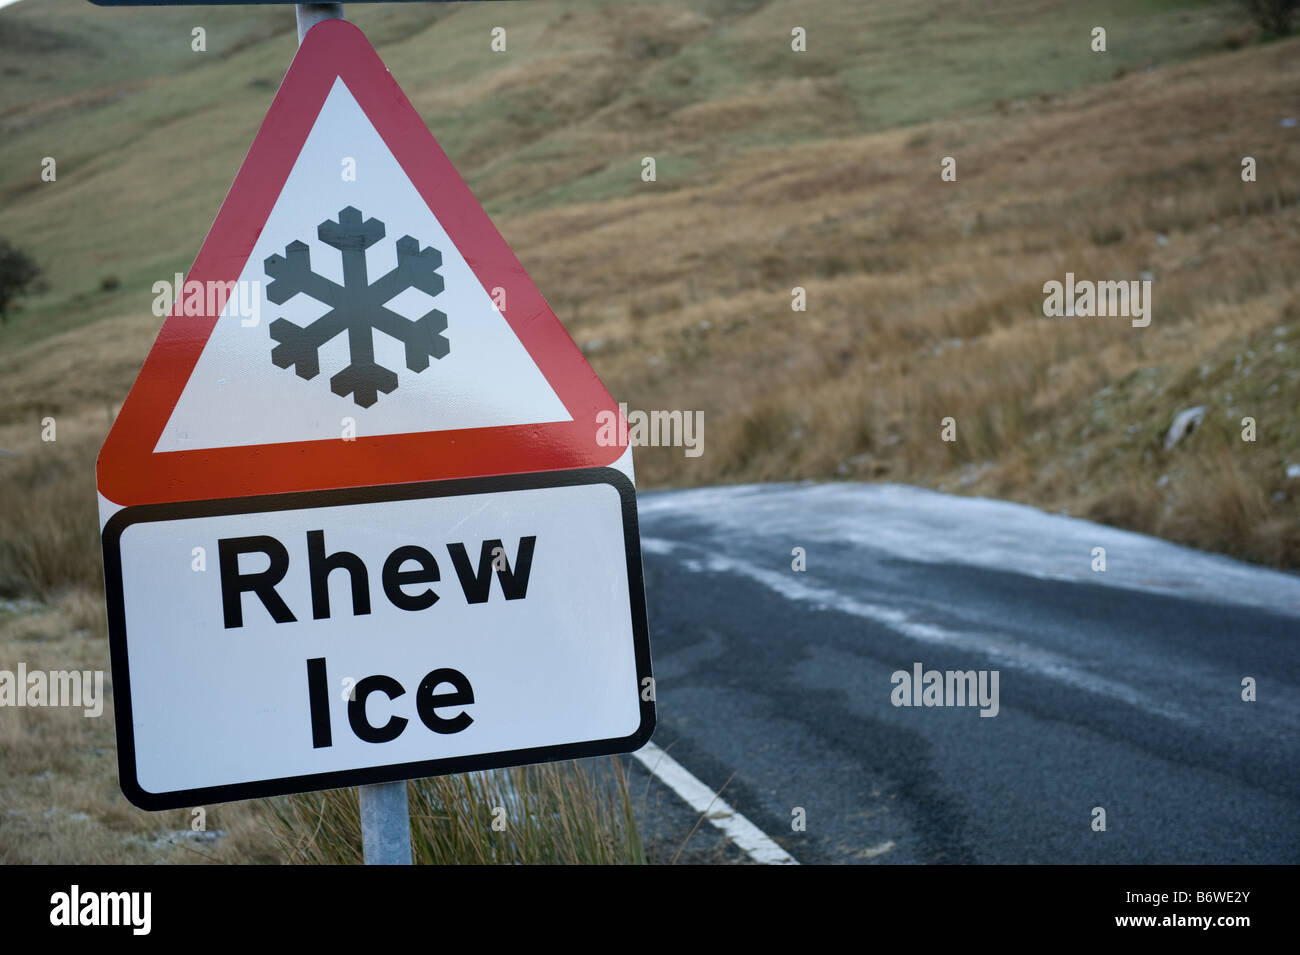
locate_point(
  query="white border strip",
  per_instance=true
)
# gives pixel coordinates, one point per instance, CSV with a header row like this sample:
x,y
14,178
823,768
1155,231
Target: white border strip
x,y
702,799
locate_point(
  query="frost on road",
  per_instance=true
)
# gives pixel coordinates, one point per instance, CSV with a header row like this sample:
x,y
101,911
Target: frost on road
x,y
857,522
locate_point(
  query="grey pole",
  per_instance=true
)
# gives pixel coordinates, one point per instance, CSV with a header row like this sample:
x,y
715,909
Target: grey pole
x,y
310,14
385,824
385,813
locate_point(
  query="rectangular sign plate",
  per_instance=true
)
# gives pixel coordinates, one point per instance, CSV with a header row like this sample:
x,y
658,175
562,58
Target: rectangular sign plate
x,y
296,642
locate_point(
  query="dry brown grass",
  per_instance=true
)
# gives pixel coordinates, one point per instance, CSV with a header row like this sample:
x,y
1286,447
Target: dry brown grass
x,y
925,301
49,532
924,297
59,797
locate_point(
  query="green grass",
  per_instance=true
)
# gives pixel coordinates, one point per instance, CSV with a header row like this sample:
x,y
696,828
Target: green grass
x,y
148,134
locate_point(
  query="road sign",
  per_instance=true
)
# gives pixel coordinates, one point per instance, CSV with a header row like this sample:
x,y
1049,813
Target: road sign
x,y
344,160
357,522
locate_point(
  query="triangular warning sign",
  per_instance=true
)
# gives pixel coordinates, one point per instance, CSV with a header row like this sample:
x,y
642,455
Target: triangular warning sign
x,y
353,319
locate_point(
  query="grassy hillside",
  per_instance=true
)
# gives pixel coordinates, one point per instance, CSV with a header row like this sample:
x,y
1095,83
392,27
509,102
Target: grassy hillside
x,y
775,169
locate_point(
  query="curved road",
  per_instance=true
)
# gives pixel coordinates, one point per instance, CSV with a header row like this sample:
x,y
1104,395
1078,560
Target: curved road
x,y
1119,689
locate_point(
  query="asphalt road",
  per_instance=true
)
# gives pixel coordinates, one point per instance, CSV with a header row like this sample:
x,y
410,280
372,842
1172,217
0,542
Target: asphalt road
x,y
1119,689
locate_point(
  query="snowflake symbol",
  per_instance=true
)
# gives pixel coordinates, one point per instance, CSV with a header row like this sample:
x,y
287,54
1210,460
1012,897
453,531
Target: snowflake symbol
x,y
356,307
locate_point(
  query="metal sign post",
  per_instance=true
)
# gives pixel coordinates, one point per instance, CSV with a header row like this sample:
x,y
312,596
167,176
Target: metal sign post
x,y
310,14
385,824
385,811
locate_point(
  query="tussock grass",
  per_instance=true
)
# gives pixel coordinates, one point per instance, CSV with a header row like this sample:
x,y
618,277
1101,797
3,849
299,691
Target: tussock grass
x,y
551,813
49,525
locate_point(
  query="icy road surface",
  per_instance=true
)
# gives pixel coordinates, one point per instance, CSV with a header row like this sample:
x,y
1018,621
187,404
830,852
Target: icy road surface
x,y
1119,690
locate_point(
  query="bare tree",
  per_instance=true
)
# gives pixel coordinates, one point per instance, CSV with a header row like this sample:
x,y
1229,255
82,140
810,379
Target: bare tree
x,y
1273,16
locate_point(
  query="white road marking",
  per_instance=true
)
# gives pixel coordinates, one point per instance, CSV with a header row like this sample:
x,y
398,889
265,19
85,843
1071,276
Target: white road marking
x,y
877,850
702,799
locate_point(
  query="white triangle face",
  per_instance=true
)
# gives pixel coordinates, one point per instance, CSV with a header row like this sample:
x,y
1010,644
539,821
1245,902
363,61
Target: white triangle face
x,y
236,396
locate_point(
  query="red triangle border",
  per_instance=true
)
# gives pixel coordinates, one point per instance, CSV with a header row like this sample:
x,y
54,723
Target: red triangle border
x,y
130,473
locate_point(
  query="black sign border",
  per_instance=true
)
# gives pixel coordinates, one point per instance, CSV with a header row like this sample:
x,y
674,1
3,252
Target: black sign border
x,y
314,782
